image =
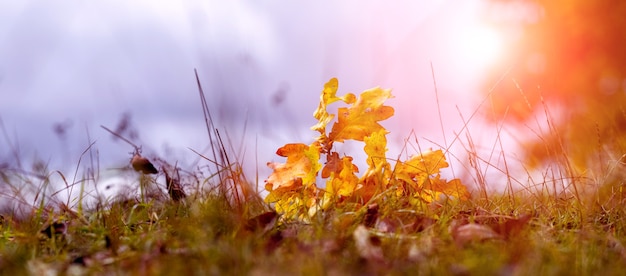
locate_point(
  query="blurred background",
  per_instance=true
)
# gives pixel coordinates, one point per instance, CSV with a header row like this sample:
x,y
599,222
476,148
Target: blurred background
x,y
68,67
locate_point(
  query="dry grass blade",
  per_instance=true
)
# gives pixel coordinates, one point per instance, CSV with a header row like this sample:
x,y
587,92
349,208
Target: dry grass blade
x,y
121,137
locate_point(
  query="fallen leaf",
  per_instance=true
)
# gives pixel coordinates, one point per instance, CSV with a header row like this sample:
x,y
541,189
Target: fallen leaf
x,y
511,226
418,168
367,245
420,175
263,221
473,232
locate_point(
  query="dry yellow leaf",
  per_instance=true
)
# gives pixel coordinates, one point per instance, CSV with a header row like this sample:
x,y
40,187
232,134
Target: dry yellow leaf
x,y
361,120
417,170
343,182
300,169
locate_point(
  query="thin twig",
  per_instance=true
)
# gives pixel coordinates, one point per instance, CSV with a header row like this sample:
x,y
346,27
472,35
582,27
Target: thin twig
x,y
121,137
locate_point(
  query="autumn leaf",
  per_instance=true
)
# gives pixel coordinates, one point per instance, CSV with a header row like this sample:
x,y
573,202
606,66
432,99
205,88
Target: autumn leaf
x,y
300,169
419,168
283,193
333,164
377,176
295,204
367,245
508,227
343,182
421,174
472,232
292,186
376,149
321,114
361,120
435,188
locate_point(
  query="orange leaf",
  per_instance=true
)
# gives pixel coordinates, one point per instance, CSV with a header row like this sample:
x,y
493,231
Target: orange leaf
x,y
361,120
300,169
343,182
292,185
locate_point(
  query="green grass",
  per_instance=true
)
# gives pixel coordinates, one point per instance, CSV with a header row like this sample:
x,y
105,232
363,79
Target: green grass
x,y
210,233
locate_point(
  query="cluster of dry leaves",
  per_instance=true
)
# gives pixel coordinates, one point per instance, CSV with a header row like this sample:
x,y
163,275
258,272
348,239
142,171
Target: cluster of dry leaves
x,y
293,185
376,235
468,227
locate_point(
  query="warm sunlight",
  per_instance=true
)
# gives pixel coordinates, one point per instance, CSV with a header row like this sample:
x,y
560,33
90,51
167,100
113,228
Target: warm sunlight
x,y
480,45
484,43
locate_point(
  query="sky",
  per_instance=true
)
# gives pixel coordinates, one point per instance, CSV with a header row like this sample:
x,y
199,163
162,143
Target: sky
x,y
68,67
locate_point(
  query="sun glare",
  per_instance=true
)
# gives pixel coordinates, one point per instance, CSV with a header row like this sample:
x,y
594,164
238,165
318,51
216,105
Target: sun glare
x,y
477,46
483,44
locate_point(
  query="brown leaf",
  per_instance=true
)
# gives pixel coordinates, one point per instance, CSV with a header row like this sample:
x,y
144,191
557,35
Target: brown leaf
x,y
511,226
143,165
473,232
371,216
333,164
368,246
262,221
404,223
